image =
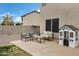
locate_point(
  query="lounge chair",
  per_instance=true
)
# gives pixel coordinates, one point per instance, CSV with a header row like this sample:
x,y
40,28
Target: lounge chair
x,y
47,35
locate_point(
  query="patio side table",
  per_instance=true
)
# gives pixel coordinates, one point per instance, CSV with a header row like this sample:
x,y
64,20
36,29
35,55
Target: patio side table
x,y
40,38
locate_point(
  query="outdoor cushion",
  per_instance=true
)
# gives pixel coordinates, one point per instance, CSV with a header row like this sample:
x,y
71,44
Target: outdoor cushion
x,y
46,34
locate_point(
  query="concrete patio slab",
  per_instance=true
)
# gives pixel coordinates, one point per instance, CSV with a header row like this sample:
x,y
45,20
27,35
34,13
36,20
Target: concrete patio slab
x,y
49,48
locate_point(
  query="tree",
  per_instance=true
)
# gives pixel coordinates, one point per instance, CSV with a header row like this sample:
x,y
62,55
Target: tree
x,y
7,20
18,23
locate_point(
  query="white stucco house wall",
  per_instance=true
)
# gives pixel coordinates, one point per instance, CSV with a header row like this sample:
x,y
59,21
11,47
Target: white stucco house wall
x,y
69,36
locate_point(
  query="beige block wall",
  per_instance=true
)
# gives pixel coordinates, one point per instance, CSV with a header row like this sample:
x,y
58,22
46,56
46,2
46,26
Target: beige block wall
x,y
5,30
31,19
67,14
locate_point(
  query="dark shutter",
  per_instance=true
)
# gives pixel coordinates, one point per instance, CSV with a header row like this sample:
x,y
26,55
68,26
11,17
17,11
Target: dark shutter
x,y
48,25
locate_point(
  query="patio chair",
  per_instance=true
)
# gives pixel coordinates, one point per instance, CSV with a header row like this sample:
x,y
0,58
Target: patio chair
x,y
35,36
23,34
38,38
26,36
47,35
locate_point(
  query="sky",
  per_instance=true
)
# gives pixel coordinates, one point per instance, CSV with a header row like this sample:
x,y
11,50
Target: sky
x,y
17,9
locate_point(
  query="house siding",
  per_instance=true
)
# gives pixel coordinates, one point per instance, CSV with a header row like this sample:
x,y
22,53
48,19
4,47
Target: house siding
x,y
31,19
66,12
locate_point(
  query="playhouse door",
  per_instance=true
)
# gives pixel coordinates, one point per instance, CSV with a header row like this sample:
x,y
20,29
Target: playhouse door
x,y
66,37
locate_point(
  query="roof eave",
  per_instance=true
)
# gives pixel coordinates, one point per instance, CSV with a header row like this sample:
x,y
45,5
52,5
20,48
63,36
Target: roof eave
x,y
29,13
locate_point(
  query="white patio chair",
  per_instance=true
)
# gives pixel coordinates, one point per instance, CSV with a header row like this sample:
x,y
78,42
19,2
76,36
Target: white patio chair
x,y
47,35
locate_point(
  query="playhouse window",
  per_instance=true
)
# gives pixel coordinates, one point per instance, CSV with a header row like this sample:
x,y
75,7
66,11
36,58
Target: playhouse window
x,y
61,33
71,34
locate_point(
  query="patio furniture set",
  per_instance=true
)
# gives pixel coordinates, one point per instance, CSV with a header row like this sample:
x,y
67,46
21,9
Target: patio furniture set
x,y
37,36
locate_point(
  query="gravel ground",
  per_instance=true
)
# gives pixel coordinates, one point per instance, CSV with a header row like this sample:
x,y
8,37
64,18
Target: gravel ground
x,y
6,39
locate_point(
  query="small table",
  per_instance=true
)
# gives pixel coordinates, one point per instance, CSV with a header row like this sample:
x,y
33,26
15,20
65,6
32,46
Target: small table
x,y
39,38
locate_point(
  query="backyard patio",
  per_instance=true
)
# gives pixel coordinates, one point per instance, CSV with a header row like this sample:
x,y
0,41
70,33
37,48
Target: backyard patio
x,y
49,48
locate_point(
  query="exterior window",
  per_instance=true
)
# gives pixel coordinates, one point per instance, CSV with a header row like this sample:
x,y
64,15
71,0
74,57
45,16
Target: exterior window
x,y
48,25
71,34
55,25
52,25
61,33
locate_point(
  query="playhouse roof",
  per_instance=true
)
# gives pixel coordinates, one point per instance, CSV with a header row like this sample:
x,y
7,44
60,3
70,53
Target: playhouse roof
x,y
71,27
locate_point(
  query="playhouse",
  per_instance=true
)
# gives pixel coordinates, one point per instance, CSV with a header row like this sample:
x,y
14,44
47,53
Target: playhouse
x,y
68,36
